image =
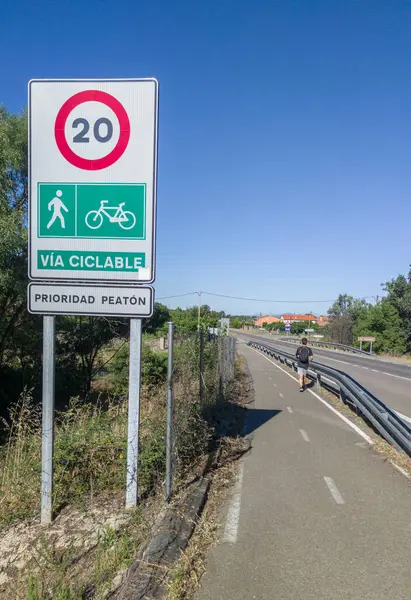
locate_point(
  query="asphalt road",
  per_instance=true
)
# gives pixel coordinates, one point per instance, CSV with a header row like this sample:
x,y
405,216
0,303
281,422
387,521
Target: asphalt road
x,y
316,514
389,381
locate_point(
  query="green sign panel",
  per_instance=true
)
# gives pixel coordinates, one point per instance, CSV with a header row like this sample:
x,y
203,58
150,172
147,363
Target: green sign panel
x,y
84,210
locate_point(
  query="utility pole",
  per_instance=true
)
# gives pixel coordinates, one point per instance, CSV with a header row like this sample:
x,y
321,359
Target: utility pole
x,y
199,310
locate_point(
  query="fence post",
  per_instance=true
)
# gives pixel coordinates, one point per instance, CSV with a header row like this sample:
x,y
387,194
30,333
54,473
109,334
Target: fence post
x,y
234,354
231,351
201,366
49,324
221,365
170,411
318,382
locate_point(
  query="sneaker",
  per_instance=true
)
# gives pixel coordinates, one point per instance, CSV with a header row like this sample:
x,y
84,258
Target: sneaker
x,y
301,389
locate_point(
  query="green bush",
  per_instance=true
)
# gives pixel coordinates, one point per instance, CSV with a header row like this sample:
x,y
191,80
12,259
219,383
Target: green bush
x,y
153,368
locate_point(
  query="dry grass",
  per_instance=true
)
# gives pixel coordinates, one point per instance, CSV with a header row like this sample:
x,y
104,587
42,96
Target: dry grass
x,y
396,458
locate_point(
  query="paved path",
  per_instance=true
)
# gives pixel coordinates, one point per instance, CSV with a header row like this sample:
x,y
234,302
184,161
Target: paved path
x,y
316,513
389,381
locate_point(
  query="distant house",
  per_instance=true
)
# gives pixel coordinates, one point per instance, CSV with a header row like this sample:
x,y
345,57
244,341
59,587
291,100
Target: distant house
x,y
294,318
268,319
323,321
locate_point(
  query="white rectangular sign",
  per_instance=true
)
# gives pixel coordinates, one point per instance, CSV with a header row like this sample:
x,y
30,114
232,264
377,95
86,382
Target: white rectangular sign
x,y
90,300
93,177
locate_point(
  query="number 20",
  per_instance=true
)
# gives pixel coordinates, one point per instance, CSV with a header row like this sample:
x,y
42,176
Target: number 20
x,y
82,138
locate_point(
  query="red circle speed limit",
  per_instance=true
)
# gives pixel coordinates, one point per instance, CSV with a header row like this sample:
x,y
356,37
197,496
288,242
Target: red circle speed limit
x,y
92,130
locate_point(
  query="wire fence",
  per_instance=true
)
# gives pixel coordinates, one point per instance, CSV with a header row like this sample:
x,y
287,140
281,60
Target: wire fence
x,y
201,369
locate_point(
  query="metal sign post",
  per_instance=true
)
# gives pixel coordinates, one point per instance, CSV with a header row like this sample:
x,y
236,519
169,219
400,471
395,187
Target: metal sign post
x,y
48,421
133,412
170,411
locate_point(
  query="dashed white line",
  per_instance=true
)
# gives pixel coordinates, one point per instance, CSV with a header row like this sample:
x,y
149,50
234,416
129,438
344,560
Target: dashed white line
x,y
366,368
397,376
270,378
290,410
281,395
274,384
304,435
375,370
233,514
331,408
334,490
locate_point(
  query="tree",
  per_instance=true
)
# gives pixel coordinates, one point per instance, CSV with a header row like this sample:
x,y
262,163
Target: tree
x,y
383,322
161,316
344,314
82,338
13,233
20,333
399,295
299,327
187,320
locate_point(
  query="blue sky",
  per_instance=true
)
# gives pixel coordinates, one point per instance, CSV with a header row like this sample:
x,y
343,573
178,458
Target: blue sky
x,y
285,128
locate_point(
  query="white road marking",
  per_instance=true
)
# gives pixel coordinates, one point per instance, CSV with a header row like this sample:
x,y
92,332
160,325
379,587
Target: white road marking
x,y
270,378
281,395
366,368
304,435
275,385
290,410
233,514
403,417
360,366
343,362
331,408
397,376
334,490
401,470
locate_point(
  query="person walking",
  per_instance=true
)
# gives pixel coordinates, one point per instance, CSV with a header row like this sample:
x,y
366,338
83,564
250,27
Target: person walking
x,y
305,356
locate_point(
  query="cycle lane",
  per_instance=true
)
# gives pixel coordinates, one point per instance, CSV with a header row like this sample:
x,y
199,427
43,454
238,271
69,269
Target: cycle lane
x,y
318,514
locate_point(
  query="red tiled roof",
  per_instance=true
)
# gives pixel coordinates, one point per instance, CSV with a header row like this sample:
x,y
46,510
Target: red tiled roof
x,y
289,317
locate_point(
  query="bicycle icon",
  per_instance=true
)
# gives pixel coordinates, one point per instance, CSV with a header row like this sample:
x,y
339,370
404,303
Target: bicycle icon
x,y
125,218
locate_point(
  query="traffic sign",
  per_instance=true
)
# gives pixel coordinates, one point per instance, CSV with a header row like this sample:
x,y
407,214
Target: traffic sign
x,y
90,300
93,175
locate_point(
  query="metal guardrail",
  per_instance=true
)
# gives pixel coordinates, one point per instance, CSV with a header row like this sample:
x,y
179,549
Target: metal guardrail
x,y
328,345
388,424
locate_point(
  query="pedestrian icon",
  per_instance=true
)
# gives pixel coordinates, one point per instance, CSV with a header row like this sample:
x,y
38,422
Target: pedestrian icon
x,y
115,214
57,205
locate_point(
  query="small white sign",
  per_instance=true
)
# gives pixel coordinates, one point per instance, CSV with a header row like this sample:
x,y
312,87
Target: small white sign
x,y
90,300
93,178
